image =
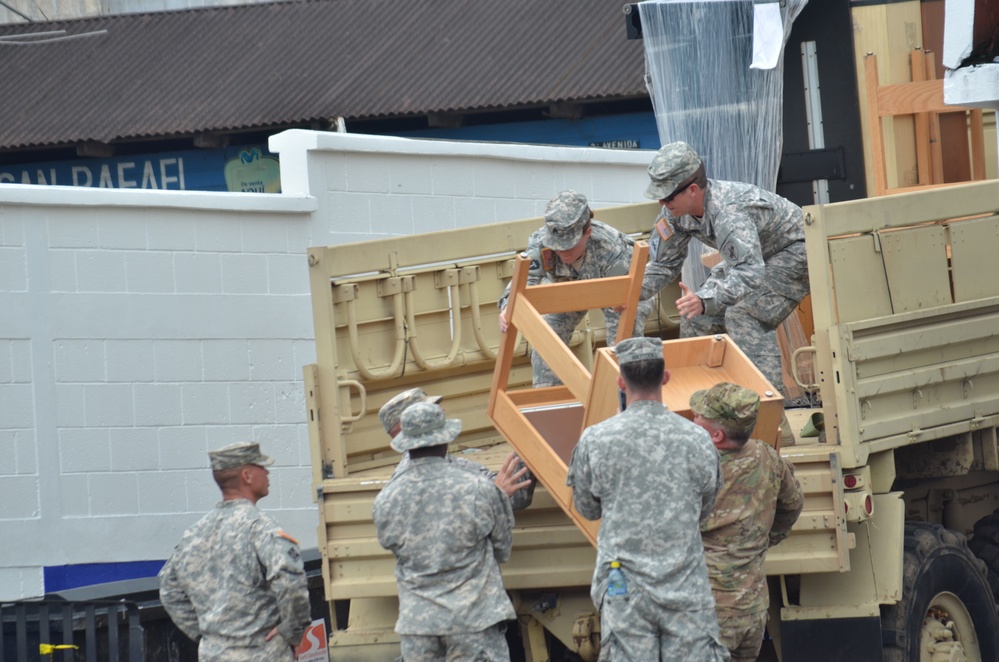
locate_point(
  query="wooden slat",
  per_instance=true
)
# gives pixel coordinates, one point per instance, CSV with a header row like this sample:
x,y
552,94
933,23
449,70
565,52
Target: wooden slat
x,y
977,143
925,162
557,355
929,69
871,85
924,96
923,99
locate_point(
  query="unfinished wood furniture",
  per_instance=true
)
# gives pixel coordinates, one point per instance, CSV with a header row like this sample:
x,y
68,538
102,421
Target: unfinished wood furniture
x,y
544,424
923,99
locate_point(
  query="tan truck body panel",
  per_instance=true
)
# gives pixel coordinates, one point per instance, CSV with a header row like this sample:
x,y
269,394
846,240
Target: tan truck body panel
x,y
905,307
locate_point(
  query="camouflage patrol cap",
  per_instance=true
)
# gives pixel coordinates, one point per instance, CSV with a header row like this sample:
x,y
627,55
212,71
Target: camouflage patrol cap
x,y
631,350
424,425
391,411
731,405
672,164
238,455
565,217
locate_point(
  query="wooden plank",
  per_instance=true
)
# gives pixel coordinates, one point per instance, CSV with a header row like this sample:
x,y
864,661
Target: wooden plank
x,y
508,340
548,298
602,401
924,96
924,156
877,138
869,36
903,34
929,69
977,143
559,358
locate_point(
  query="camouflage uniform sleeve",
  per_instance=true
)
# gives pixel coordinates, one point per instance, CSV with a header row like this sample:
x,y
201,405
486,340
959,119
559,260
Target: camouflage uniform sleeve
x,y
472,467
580,478
535,274
667,251
285,574
521,499
742,270
177,603
790,501
502,532
711,488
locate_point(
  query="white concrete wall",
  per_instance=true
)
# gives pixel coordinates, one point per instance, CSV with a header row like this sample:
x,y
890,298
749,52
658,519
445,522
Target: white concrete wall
x,y
58,10
139,329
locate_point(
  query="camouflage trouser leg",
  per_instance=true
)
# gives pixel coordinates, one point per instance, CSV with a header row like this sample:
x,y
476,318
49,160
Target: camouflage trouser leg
x,y
635,629
563,324
489,645
223,649
742,633
752,323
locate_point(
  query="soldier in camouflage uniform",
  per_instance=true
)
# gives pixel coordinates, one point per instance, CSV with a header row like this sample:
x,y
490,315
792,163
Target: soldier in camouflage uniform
x,y
513,477
573,246
763,275
235,583
755,509
449,530
652,476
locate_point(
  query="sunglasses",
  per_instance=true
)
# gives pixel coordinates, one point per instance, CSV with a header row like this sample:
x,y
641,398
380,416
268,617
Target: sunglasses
x,y
669,198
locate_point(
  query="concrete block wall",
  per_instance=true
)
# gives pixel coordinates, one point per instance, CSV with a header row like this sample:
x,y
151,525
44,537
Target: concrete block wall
x,y
368,187
142,328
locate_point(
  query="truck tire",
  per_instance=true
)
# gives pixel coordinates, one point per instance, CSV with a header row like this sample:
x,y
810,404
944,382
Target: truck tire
x,y
985,545
944,592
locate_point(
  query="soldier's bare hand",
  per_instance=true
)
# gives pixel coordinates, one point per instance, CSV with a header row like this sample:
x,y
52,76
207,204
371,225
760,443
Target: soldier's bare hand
x,y
619,309
509,478
270,635
504,323
689,305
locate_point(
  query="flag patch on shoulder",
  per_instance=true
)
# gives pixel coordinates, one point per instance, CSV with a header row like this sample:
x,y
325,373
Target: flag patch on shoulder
x,y
664,230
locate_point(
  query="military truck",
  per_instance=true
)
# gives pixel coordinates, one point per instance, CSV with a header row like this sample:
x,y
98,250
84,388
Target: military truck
x,y
906,361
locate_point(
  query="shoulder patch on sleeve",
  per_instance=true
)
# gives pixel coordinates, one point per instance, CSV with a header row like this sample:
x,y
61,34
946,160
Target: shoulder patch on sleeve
x,y
730,250
664,229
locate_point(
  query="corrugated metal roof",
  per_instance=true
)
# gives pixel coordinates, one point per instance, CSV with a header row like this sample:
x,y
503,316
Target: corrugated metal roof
x,y
255,66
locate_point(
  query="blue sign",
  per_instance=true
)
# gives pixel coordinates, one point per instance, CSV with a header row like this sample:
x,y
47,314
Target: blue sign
x,y
242,168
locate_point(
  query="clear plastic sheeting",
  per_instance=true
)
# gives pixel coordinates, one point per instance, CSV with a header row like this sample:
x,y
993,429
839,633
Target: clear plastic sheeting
x,y
704,91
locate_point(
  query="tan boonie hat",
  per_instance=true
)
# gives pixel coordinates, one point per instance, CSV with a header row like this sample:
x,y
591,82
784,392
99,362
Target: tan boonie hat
x,y
391,411
731,405
238,455
672,165
424,425
565,217
631,350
